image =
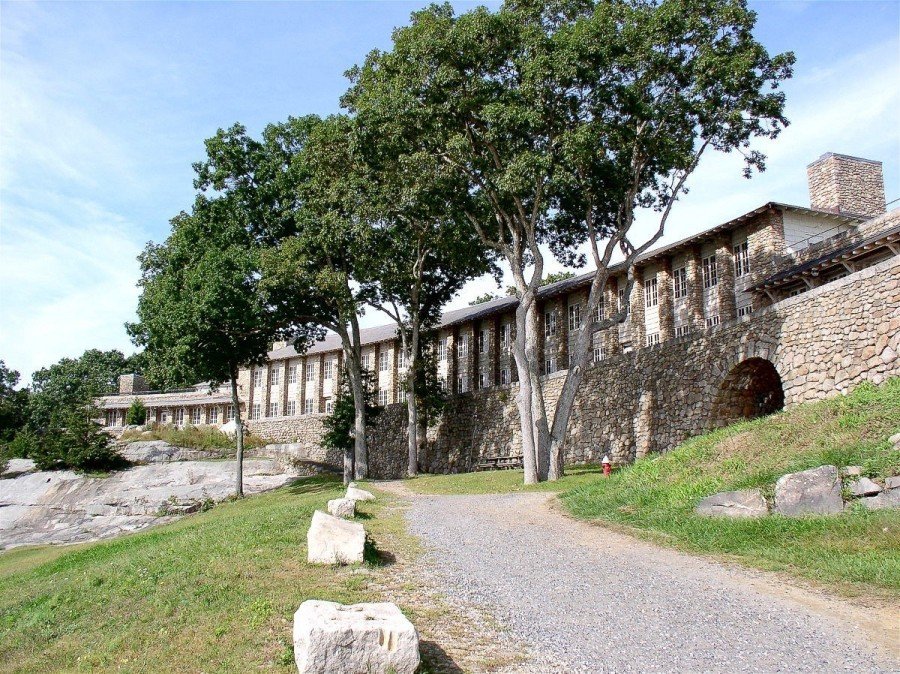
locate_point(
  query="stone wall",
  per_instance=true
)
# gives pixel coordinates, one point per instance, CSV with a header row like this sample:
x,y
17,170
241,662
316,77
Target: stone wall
x,y
843,184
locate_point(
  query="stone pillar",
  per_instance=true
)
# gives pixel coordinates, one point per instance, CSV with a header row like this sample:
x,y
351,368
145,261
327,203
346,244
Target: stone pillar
x,y
495,350
285,366
695,290
725,273
541,347
638,322
562,334
612,345
666,300
452,359
267,391
472,358
320,389
301,381
395,372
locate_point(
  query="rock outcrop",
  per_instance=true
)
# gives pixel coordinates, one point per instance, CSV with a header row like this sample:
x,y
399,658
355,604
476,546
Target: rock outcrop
x,y
160,451
355,639
815,491
744,503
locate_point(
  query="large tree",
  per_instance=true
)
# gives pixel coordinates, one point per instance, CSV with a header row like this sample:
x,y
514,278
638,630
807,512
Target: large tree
x,y
564,119
200,315
13,404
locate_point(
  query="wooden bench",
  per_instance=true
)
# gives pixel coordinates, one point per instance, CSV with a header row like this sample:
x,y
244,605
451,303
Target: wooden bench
x,y
499,463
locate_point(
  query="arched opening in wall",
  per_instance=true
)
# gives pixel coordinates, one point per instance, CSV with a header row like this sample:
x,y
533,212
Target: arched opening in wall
x,y
752,389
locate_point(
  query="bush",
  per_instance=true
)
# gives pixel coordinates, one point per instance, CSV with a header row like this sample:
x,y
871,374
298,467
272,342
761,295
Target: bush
x,y
136,414
80,444
22,445
207,438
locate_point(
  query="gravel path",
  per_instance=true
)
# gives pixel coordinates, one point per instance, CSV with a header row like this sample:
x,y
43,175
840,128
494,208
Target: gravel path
x,y
598,601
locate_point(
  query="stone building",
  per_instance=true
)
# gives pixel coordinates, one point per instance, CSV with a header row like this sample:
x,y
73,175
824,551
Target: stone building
x,y
755,285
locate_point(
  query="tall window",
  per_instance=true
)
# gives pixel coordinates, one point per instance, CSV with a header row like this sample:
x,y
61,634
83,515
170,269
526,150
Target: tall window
x,y
257,411
274,375
366,361
179,417
550,366
679,278
549,324
651,293
600,310
652,339
382,397
273,409
741,259
504,376
229,413
621,299
309,406
383,364
401,393
292,374
401,359
710,276
195,416
574,317
291,408
442,349
257,378
505,333
598,347
329,369
462,346
482,341
462,384
213,415
310,371
329,406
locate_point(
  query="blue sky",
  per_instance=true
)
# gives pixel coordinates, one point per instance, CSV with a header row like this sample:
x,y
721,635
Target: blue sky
x,y
103,107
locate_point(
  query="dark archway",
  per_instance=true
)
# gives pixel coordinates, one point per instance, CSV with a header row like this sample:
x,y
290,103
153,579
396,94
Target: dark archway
x,y
751,389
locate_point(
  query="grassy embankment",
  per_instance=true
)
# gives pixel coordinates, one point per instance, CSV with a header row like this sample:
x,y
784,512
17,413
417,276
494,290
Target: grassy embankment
x,y
855,552
214,592
207,438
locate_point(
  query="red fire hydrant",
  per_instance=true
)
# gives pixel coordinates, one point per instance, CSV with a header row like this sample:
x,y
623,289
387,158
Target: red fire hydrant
x,y
607,466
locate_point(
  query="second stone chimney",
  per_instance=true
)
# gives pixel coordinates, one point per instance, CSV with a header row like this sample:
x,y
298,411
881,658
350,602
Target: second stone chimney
x,y
132,383
840,183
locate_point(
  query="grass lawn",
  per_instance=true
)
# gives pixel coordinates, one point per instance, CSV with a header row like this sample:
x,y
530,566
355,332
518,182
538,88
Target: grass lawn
x,y
499,481
213,592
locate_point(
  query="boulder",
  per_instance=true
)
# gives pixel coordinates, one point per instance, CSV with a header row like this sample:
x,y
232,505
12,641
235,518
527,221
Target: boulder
x,y
355,639
744,503
342,507
160,451
853,471
814,491
332,540
355,494
892,482
887,499
352,485
895,439
864,487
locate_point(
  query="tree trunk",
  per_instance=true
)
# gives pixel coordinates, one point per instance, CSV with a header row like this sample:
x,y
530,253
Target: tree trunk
x,y
412,468
238,435
523,399
351,343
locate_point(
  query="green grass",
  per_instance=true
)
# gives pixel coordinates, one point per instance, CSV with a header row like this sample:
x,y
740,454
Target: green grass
x,y
855,552
499,481
213,592
207,438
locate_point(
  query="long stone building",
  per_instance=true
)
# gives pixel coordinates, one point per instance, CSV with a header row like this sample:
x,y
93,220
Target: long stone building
x,y
781,305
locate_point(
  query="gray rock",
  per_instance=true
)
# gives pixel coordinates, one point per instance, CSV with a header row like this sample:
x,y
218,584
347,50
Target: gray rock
x,y
331,540
895,439
160,451
814,491
19,467
853,471
342,507
864,487
744,503
355,639
892,482
355,494
886,500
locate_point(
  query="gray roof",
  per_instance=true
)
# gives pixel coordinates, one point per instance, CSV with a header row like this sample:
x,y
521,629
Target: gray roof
x,y
384,333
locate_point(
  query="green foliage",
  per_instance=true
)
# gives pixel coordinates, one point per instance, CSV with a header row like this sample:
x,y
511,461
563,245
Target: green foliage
x,y
13,404
136,414
207,438
78,442
557,276
23,444
481,299
339,424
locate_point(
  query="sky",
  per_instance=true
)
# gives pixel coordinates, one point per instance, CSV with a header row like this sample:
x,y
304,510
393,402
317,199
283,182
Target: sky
x,y
104,107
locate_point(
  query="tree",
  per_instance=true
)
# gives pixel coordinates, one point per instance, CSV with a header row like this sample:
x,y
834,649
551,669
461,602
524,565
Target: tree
x,y
340,424
481,299
13,404
200,314
564,118
75,440
136,414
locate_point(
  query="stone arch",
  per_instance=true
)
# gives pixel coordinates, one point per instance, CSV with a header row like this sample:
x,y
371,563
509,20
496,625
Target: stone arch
x,y
751,389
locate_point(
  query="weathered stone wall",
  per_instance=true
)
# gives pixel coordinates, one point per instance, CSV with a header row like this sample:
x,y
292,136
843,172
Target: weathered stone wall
x,y
844,184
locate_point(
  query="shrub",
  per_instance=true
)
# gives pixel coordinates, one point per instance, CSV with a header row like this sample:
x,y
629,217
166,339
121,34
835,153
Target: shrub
x,y
79,444
22,445
136,414
192,437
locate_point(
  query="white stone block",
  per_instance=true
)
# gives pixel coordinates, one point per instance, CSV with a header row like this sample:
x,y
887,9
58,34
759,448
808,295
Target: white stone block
x,y
355,494
332,540
342,507
355,639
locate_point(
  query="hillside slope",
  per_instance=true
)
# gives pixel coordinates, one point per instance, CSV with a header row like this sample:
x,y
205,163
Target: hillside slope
x,y
858,551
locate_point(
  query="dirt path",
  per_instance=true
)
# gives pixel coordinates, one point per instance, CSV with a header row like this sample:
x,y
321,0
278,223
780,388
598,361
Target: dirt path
x,y
597,601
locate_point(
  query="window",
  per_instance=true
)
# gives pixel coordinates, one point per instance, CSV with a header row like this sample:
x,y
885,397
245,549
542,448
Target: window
x,y
310,372
462,346
712,321
600,310
483,381
651,293
622,303
382,397
442,382
653,339
164,418
504,376
401,394
574,317
329,370
549,324
257,411
309,406
679,281
257,378
598,350
442,349
229,413
504,335
273,409
401,359
798,290
710,277
179,417
365,361
550,366
291,408
462,384
329,406
682,330
383,358
110,418
213,415
274,375
741,259
746,310
195,416
292,374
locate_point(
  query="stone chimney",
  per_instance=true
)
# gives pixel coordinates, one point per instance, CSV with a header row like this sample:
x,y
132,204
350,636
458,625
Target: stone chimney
x,y
132,383
840,183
